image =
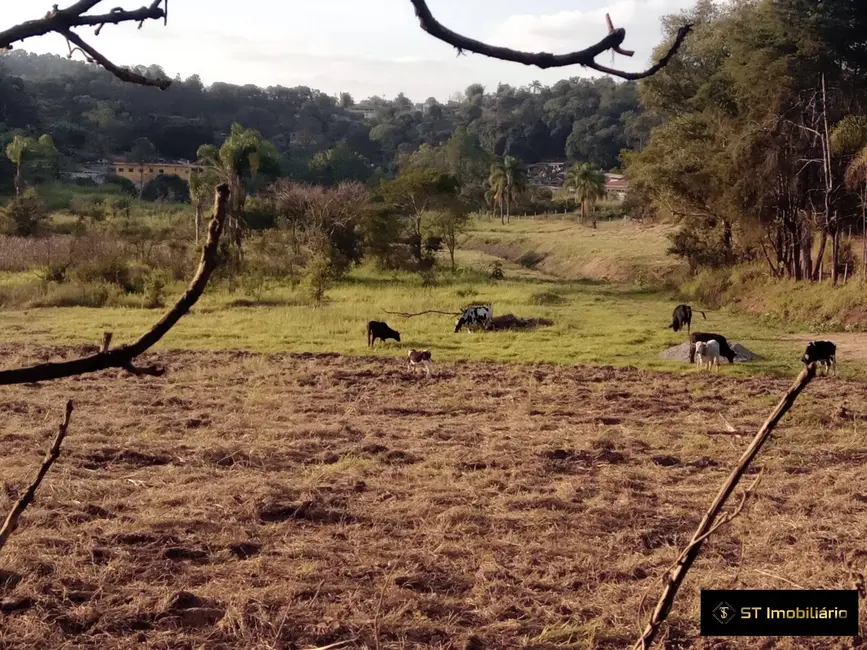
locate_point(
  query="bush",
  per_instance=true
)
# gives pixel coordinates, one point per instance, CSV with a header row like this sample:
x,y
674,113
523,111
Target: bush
x,y
497,272
167,187
23,216
258,213
125,185
531,259
113,271
317,277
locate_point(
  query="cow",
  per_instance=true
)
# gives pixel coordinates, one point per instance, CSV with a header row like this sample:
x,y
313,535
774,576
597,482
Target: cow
x,y
682,316
419,358
379,330
724,349
478,315
822,353
707,354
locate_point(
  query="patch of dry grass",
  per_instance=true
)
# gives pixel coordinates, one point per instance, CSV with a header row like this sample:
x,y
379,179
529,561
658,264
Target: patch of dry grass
x,y
290,501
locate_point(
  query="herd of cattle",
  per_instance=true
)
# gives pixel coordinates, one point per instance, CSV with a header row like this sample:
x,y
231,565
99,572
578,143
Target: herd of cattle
x,y
705,348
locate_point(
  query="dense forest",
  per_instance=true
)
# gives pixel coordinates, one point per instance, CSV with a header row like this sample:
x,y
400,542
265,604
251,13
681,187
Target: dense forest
x,y
762,150
90,114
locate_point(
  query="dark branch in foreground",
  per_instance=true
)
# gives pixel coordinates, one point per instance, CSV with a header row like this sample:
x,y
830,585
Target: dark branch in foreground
x,y
62,21
585,57
123,356
20,506
676,576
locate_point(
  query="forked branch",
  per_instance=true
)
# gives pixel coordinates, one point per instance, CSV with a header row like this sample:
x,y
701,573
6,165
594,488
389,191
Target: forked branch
x,y
429,311
62,21
613,41
122,357
677,574
26,499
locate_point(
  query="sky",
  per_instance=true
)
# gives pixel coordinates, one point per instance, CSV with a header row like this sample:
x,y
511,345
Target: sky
x,y
363,47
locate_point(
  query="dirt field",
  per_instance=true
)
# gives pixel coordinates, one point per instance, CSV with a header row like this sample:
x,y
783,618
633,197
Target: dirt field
x,y
248,501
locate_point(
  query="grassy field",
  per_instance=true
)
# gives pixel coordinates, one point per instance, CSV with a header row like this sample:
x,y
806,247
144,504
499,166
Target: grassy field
x,y
292,501
594,320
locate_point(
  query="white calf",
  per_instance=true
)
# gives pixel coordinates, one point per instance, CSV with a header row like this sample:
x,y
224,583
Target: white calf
x,y
707,354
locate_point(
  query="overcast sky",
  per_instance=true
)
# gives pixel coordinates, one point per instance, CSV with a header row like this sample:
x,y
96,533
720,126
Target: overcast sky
x,y
364,47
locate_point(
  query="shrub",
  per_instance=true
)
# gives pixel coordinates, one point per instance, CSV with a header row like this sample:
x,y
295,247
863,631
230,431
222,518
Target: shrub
x,y
317,277
24,215
111,270
125,185
166,187
547,298
531,259
497,272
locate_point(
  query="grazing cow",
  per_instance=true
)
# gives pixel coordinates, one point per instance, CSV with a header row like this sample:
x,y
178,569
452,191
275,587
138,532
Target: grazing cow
x,y
419,358
707,354
821,352
682,316
480,315
379,330
724,349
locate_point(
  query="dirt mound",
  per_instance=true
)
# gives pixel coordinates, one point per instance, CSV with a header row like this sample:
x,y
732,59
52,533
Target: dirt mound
x,y
681,353
512,322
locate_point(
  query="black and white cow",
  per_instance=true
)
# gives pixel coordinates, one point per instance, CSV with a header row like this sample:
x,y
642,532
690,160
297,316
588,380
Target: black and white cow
x,y
822,352
480,315
724,349
419,358
682,316
379,330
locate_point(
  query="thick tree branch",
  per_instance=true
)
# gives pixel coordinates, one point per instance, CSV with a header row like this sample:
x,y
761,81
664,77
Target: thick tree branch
x,y
676,576
124,74
20,506
429,311
123,356
585,57
61,21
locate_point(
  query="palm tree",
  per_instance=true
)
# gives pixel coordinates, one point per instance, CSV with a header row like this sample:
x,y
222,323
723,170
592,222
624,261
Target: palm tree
x,y
589,186
508,180
238,159
536,86
850,137
17,151
202,184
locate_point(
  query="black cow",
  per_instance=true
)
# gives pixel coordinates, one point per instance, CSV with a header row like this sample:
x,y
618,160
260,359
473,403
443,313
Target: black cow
x,y
821,352
682,316
724,349
379,330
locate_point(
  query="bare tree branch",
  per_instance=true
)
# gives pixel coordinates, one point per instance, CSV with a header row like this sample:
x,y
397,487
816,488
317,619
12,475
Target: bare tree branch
x,y
61,21
543,60
124,74
676,576
123,356
26,499
429,311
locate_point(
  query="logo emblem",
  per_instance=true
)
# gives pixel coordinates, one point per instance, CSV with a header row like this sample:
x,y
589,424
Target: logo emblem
x,y
724,612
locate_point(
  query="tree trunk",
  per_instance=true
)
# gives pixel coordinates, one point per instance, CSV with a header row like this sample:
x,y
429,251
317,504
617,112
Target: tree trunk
x,y
198,218
835,254
18,179
864,235
141,182
820,257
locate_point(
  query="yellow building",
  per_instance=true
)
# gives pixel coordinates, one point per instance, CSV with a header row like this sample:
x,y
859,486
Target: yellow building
x,y
135,172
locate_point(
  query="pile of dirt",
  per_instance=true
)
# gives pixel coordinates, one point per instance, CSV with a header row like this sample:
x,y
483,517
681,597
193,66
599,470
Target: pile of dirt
x,y
681,353
512,322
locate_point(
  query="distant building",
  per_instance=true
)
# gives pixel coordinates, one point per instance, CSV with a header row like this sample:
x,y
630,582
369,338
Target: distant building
x,y
148,171
365,110
95,171
616,187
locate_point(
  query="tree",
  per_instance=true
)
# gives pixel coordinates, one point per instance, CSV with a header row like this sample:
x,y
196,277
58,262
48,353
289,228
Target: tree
x,y
238,163
536,86
17,151
202,184
166,187
141,152
24,216
414,193
850,138
449,223
507,181
588,185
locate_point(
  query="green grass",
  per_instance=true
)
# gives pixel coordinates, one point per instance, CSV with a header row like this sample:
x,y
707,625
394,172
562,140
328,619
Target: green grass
x,y
616,251
600,323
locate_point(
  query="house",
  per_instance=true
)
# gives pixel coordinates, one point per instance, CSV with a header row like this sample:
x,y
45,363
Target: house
x,y
139,173
616,187
365,110
94,171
